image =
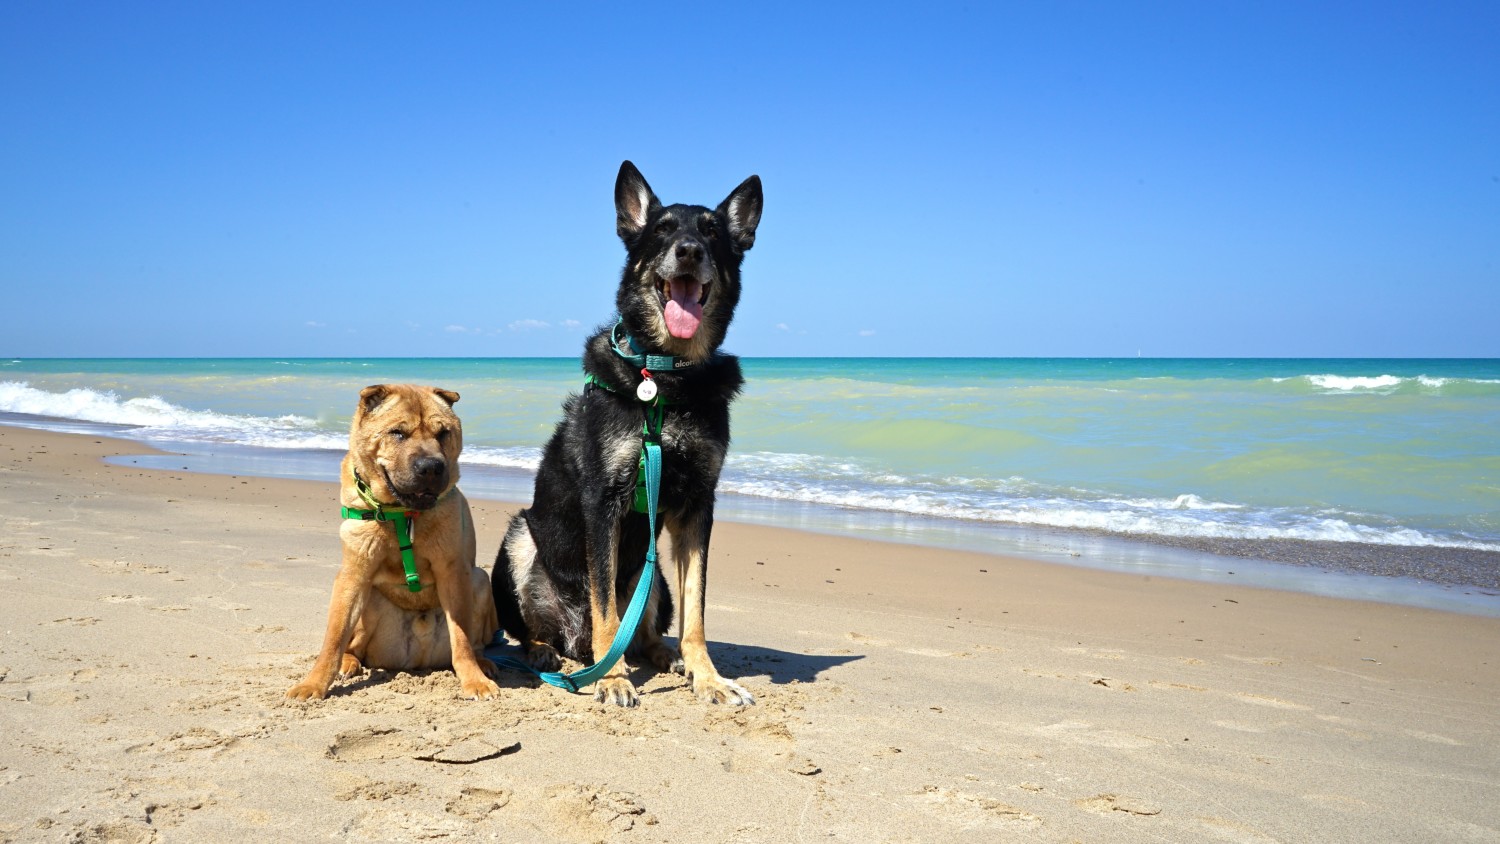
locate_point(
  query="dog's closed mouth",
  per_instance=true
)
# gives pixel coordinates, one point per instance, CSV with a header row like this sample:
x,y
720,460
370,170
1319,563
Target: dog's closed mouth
x,y
682,300
423,500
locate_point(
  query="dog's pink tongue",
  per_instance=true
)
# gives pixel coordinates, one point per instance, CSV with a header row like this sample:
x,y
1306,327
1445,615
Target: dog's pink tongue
x,y
683,311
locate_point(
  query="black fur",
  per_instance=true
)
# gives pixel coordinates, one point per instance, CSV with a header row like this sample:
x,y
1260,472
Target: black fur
x,y
586,480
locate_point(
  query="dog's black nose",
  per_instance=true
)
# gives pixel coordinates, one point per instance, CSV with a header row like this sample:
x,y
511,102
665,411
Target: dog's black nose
x,y
689,251
430,468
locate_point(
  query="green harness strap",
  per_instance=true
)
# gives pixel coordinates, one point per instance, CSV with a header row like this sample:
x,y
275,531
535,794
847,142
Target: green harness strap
x,y
402,520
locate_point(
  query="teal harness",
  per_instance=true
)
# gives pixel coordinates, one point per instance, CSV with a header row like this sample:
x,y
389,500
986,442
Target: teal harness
x,y
647,491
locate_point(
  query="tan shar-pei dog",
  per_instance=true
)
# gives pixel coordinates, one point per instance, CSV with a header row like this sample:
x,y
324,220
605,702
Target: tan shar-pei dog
x,y
433,608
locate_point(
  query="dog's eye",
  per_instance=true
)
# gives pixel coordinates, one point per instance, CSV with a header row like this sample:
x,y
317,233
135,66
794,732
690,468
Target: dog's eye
x,y
666,227
442,434
397,434
709,228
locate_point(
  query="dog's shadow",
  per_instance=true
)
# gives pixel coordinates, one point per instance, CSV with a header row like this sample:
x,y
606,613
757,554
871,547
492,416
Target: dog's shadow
x,y
781,667
732,660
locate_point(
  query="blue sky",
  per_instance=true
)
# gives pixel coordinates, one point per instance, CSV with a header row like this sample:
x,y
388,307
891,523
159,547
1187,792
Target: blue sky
x,y
1037,179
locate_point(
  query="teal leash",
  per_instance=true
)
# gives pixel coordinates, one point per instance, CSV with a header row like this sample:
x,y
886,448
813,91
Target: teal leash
x,y
650,473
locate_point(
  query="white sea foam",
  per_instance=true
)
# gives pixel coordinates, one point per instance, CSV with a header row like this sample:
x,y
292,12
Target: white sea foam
x,y
156,418
506,458
1347,383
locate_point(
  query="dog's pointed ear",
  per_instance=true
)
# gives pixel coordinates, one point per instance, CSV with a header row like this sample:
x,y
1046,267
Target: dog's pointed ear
x,y
371,397
634,202
742,209
446,395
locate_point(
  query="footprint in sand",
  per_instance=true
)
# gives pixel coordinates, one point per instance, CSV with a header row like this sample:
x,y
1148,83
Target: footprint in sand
x,y
83,621
378,791
381,824
369,743
185,744
114,832
475,803
122,599
592,814
974,808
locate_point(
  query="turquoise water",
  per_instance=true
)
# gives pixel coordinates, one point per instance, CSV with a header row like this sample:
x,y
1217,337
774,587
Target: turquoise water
x,y
1384,452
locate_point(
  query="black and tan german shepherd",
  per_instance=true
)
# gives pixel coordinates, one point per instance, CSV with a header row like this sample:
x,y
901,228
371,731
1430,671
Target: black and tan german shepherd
x,y
570,561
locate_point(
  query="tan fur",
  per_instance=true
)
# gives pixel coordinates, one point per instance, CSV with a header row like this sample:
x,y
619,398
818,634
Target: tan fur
x,y
373,620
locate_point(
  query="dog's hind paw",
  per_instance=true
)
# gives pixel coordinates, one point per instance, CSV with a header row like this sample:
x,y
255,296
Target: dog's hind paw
x,y
616,690
664,658
721,690
350,666
543,657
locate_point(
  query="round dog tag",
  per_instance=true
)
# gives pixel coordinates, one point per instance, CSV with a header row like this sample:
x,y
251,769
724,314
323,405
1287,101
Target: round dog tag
x,y
646,391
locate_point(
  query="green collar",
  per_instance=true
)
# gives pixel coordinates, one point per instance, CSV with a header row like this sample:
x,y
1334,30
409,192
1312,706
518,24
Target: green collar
x,y
402,518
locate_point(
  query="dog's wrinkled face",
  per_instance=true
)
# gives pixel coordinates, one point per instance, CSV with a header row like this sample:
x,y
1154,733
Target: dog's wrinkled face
x,y
682,271
405,442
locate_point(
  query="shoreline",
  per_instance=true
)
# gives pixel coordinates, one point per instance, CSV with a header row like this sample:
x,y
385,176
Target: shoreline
x,y
1449,579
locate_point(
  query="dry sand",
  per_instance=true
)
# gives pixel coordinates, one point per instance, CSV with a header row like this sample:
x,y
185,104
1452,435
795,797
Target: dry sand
x,y
153,621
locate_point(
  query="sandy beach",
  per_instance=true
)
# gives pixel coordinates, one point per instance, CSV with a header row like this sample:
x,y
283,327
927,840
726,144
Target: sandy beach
x,y
155,619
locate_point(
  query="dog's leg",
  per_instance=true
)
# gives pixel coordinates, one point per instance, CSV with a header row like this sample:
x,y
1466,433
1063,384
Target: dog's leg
x,y
350,588
603,524
648,644
515,582
455,590
690,553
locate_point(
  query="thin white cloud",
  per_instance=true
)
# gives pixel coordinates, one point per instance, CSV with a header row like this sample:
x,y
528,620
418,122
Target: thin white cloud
x,y
312,323
455,329
571,323
781,326
867,332
528,325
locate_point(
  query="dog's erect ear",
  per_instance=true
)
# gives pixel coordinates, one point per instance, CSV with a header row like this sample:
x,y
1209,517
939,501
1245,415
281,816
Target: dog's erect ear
x,y
447,395
371,397
634,202
742,209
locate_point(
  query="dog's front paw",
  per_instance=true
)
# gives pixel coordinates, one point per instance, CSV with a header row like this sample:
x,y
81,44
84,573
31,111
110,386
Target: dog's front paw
x,y
616,690
716,689
480,688
307,691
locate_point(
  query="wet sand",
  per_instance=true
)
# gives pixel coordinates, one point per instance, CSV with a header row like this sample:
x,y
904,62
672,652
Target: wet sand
x,y
905,694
